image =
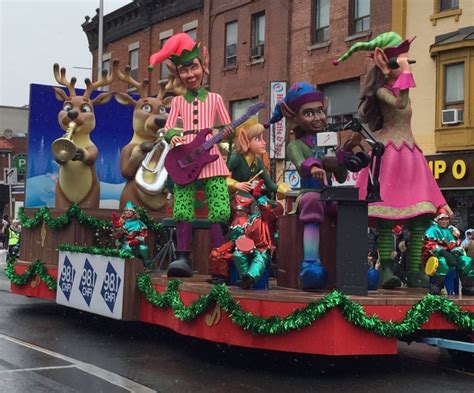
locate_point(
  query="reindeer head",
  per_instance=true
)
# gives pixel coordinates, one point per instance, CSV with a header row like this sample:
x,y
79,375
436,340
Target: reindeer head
x,y
150,113
79,109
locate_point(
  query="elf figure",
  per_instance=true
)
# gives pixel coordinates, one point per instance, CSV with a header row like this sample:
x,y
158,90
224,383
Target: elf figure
x,y
442,241
305,109
408,190
245,162
197,108
131,232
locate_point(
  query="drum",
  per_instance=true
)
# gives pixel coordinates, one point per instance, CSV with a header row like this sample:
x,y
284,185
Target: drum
x,y
245,244
431,266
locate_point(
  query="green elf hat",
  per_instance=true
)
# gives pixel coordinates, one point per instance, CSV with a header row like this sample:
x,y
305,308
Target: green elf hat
x,y
180,49
130,206
391,43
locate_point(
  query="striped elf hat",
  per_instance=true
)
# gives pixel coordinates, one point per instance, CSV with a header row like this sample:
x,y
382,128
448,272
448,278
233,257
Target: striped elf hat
x,y
391,43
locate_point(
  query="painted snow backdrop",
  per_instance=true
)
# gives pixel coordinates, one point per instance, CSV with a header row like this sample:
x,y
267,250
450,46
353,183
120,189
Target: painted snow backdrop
x,y
112,132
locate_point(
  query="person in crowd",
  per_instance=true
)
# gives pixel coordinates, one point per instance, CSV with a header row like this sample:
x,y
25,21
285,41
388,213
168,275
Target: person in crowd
x,y
373,239
14,231
4,225
408,189
442,251
468,242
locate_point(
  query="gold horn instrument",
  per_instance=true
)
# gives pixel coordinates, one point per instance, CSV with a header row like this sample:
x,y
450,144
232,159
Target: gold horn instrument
x,y
151,179
64,148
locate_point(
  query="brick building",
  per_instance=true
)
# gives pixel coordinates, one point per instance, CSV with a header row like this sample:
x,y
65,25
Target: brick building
x,y
132,33
13,147
252,43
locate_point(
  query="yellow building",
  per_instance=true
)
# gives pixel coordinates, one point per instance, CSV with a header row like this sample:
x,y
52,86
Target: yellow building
x,y
443,102
444,70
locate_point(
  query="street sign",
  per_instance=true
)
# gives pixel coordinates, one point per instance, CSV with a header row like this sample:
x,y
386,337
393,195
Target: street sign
x,y
19,162
10,176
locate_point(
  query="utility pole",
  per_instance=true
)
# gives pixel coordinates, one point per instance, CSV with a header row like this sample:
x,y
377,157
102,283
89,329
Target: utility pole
x,y
100,49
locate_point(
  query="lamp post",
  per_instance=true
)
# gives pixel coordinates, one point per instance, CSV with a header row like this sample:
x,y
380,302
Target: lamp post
x,y
101,38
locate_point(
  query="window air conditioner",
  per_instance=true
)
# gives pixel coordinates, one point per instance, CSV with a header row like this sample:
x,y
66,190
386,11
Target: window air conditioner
x,y
256,51
452,116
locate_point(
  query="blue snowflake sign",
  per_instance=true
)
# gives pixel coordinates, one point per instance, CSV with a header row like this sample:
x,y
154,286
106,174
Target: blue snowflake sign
x,y
87,284
67,277
110,286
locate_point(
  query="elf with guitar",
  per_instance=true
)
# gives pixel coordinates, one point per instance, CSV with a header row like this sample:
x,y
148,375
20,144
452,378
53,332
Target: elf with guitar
x,y
194,155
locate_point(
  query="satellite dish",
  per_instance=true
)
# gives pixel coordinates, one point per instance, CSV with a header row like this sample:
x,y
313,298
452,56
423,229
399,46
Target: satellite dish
x,y
8,133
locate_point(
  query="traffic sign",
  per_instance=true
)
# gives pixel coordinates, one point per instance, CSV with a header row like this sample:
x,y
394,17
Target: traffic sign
x,y
19,162
10,176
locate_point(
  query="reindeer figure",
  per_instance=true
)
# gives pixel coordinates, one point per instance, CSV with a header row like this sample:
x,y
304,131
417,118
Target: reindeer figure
x,y
77,181
144,187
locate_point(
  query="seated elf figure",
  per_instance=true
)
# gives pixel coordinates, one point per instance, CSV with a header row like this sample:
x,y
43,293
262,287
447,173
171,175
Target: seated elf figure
x,y
442,241
130,234
304,107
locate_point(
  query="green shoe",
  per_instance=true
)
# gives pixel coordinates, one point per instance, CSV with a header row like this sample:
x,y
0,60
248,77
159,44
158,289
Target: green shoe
x,y
417,280
389,280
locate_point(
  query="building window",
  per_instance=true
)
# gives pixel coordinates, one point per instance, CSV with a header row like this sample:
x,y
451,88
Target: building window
x,y
321,20
258,35
106,67
454,86
133,60
239,108
192,33
189,28
343,100
361,12
453,53
164,71
445,5
230,44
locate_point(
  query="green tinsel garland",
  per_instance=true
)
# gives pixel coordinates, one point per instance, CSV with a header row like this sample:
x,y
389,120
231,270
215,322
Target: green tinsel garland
x,y
36,268
44,214
353,312
298,319
108,252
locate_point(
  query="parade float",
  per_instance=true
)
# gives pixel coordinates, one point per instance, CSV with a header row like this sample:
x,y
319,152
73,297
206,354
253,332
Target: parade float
x,y
84,246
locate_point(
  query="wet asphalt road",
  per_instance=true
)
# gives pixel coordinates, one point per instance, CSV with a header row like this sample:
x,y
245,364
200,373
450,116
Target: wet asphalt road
x,y
49,348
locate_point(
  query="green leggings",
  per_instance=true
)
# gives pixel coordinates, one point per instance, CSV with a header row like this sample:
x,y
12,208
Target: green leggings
x,y
217,197
463,266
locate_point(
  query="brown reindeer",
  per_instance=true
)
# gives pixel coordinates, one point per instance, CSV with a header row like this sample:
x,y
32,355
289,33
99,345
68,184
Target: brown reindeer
x,y
77,180
149,116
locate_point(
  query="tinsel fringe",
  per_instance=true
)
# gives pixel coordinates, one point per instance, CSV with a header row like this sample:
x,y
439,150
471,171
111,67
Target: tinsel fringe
x,y
353,312
44,214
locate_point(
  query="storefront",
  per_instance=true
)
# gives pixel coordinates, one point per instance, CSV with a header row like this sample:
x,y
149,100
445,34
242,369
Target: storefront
x,y
454,173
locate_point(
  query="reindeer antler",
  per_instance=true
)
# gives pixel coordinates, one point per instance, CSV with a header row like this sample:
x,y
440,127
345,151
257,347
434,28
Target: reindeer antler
x,y
126,76
60,76
103,81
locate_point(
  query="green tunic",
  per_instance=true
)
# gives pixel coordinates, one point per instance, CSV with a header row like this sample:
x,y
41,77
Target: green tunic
x,y
242,172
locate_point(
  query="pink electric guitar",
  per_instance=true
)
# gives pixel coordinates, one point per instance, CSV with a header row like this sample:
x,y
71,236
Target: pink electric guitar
x,y
185,162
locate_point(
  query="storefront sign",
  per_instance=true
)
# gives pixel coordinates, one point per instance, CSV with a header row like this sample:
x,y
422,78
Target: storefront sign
x,y
453,170
278,130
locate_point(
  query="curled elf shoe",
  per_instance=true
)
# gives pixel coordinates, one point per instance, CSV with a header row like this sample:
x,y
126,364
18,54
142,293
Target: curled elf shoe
x,y
436,285
247,281
467,286
217,280
312,275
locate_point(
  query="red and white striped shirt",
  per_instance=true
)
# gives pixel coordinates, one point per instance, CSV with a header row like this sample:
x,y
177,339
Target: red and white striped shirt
x,y
200,115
